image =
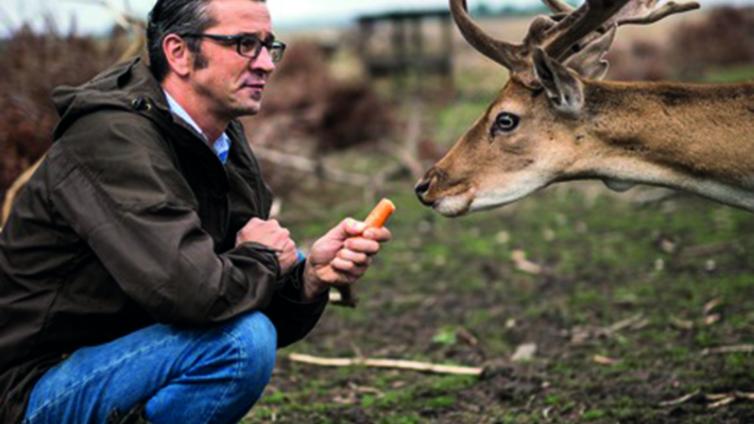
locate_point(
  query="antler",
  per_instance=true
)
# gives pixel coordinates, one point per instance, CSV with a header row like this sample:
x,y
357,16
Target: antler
x,y
586,31
558,6
586,57
647,14
591,16
556,37
507,54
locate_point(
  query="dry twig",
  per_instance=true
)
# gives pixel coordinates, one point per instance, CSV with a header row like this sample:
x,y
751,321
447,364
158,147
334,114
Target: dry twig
x,y
680,323
17,185
722,402
386,363
711,305
523,264
718,399
604,360
722,399
582,334
634,321
682,399
742,348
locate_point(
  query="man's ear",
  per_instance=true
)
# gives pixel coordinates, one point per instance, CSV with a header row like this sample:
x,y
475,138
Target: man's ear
x,y
180,59
565,91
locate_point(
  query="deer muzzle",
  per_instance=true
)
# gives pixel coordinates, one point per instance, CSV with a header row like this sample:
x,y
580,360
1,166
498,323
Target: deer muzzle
x,y
450,197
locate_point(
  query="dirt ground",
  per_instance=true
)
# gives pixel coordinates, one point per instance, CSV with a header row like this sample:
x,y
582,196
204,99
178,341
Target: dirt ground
x,y
630,304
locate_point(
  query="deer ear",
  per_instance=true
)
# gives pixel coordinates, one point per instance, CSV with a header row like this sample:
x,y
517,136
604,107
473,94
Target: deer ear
x,y
590,62
565,91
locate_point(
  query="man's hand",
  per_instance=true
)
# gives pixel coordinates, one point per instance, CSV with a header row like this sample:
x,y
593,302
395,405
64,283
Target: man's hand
x,y
272,235
341,256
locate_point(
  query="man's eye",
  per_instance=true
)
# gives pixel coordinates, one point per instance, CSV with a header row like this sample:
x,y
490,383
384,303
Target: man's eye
x,y
506,122
249,44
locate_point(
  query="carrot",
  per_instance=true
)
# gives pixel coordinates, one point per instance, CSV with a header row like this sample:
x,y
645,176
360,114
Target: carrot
x,y
380,214
376,219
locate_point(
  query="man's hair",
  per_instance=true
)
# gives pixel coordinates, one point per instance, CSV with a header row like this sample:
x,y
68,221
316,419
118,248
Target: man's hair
x,y
177,17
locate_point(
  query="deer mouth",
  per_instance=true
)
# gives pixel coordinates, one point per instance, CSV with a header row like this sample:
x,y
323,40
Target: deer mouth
x,y
455,205
499,194
449,197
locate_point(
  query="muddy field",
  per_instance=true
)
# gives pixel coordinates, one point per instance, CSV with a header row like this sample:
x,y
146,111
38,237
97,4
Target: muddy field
x,y
640,311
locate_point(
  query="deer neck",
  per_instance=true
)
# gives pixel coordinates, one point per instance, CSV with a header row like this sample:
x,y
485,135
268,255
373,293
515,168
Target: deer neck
x,y
693,137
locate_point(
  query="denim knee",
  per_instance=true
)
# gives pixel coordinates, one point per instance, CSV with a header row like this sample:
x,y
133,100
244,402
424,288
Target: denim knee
x,y
253,335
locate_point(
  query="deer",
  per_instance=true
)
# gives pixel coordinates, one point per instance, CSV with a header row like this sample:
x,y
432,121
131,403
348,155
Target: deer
x,y
556,120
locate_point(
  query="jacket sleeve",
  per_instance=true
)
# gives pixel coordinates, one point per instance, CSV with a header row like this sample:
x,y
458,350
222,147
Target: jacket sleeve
x,y
117,186
293,317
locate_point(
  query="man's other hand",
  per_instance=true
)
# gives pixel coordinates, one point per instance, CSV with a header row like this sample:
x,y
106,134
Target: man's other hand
x,y
341,256
269,233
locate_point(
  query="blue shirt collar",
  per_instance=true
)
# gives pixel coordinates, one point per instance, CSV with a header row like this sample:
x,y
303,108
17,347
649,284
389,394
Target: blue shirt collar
x,y
221,146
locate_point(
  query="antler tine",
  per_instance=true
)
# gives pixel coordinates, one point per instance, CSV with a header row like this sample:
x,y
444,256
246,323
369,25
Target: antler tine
x,y
506,54
558,6
668,9
582,21
635,12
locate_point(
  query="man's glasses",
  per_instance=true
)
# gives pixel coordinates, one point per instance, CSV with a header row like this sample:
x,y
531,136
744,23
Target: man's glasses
x,y
247,45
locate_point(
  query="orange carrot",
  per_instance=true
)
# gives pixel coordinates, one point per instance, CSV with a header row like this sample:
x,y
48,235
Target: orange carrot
x,y
380,214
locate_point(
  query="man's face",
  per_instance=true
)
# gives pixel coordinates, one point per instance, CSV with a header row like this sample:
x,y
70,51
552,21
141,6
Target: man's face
x,y
232,84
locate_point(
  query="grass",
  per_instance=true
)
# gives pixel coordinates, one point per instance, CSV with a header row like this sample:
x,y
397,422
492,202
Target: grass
x,y
442,278
732,74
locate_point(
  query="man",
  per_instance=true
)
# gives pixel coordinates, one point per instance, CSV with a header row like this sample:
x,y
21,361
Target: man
x,y
140,276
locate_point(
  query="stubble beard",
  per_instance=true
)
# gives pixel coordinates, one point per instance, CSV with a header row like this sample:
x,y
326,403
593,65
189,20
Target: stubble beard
x,y
244,108
236,104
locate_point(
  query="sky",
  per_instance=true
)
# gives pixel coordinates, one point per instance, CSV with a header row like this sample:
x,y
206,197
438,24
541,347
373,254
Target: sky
x,y
92,17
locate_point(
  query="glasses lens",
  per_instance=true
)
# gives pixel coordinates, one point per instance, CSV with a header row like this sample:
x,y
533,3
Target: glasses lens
x,y
249,46
276,51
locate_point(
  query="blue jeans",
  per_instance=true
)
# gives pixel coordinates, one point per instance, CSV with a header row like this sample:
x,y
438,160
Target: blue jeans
x,y
208,375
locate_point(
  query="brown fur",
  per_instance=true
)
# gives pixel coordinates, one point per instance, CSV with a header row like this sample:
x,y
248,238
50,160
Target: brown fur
x,y
701,130
688,136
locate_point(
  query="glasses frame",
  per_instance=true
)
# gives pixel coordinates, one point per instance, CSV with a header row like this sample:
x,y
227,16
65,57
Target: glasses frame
x,y
269,43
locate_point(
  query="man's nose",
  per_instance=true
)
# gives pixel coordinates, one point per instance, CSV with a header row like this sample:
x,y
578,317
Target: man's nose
x,y
263,61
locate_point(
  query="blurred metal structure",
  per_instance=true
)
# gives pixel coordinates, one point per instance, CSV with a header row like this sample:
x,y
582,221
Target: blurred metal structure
x,y
408,47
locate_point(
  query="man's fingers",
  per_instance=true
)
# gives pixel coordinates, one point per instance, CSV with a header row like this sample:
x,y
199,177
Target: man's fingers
x,y
381,235
266,232
355,257
289,246
348,227
363,245
342,265
345,266
346,272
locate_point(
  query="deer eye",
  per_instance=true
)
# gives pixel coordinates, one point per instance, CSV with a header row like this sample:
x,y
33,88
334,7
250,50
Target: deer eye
x,y
505,122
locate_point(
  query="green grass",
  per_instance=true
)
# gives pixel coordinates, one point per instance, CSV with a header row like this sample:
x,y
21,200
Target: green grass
x,y
599,256
734,74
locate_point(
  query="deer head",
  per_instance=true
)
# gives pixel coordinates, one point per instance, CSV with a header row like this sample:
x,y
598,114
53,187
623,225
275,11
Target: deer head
x,y
530,135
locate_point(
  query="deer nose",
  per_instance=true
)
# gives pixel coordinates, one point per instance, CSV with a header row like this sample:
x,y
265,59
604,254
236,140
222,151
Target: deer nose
x,y
422,186
421,189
